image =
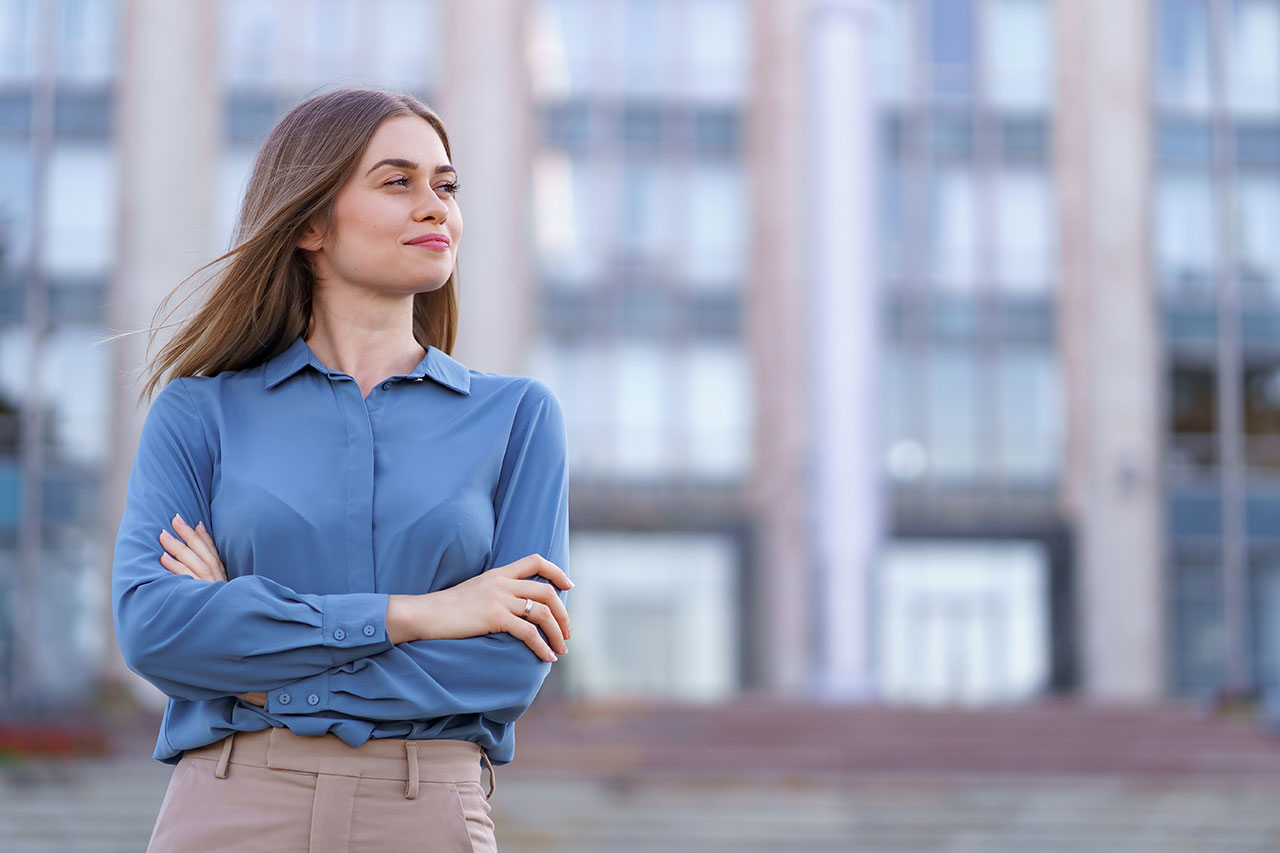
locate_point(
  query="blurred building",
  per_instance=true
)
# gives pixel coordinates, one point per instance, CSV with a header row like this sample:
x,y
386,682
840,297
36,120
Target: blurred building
x,y
913,349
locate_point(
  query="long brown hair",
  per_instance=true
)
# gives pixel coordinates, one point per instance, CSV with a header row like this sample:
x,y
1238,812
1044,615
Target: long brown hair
x,y
261,299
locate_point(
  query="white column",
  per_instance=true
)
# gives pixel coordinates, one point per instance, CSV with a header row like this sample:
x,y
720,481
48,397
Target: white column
x,y
168,129
846,501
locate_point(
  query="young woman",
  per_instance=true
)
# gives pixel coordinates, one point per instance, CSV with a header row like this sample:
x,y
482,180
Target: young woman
x,y
343,553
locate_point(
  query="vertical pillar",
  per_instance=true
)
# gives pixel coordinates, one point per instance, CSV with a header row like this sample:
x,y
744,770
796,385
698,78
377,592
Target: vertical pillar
x,y
1109,331
775,303
486,104
845,340
168,126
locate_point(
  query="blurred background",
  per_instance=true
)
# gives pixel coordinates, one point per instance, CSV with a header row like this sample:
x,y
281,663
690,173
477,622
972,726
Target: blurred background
x,y
921,358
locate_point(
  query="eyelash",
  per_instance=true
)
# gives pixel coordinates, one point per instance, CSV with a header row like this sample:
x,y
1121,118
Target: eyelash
x,y
452,187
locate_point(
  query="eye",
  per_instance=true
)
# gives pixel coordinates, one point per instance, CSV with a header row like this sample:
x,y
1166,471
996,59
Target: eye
x,y
404,181
451,188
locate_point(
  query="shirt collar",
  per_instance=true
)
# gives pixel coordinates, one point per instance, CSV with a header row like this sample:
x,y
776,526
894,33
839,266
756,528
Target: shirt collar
x,y
436,364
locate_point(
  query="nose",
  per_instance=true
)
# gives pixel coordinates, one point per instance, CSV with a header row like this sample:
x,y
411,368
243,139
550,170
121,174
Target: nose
x,y
433,207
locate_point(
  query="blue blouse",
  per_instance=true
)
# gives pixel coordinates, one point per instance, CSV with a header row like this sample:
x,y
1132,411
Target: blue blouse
x,y
322,503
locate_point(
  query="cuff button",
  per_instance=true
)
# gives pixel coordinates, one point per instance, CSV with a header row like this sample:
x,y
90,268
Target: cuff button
x,y
313,699
339,634
369,630
284,699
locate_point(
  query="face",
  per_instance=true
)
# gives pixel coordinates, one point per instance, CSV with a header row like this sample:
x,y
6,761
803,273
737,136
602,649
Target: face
x,y
402,193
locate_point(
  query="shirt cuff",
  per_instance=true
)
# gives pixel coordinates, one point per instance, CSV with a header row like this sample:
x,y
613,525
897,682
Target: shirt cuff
x,y
304,696
355,626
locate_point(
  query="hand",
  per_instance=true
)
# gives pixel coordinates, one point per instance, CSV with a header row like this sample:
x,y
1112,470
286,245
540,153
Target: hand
x,y
197,556
194,554
489,603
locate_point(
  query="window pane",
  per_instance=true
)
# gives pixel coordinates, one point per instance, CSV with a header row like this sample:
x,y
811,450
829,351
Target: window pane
x,y
1253,65
719,410
1030,414
712,250
80,205
719,45
1025,244
1183,53
250,45
646,209
953,230
567,223
1186,251
953,444
87,51
951,47
78,376
1258,200
330,32
404,34
17,39
641,447
893,51
15,204
1018,57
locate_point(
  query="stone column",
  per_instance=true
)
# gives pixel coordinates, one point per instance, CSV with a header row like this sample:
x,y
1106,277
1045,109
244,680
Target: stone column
x,y
1109,331
168,134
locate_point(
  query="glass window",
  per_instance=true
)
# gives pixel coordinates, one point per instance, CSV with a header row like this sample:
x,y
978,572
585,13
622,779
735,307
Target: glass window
x,y
409,42
1253,65
1183,53
87,52
1030,414
718,410
953,229
951,47
565,40
718,39
331,30
1186,251
566,219
15,204
650,46
671,629
580,376
712,245
78,376
1258,201
1018,54
17,39
251,43
640,393
1026,252
953,417
79,235
647,209
893,51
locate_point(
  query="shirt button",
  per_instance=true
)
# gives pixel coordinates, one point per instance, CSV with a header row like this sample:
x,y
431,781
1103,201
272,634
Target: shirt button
x,y
313,699
339,634
369,630
284,699
386,386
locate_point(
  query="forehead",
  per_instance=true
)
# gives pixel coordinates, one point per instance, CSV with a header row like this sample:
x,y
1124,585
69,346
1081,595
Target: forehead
x,y
410,137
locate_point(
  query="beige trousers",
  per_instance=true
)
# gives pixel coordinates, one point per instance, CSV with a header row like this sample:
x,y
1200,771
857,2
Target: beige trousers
x,y
276,791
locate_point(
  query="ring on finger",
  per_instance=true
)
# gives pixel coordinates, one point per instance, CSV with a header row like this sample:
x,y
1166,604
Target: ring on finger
x,y
528,605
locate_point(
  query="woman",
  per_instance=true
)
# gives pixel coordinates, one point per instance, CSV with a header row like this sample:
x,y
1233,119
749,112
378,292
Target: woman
x,y
364,583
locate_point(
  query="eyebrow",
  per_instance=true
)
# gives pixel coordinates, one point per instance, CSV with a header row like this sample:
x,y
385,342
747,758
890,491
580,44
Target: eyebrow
x,y
410,164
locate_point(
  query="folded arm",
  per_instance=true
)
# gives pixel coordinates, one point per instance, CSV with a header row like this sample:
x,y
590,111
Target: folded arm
x,y
199,640
495,674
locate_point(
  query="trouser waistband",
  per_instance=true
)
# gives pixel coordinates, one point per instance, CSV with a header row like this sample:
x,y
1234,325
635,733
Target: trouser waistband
x,y
412,761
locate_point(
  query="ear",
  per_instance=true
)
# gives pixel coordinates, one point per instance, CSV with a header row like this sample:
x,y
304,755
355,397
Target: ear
x,y
311,240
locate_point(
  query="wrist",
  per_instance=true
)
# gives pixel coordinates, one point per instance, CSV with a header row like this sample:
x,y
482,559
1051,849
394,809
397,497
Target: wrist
x,y
407,619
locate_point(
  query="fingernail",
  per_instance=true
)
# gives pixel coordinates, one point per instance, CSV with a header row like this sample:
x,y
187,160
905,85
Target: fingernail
x,y
570,585
564,649
179,518
199,525
553,657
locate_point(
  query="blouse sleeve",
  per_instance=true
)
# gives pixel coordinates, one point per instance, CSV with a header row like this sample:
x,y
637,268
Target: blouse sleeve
x,y
496,675
196,639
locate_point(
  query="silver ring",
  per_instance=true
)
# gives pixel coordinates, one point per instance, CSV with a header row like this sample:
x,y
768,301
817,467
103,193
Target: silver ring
x,y
528,605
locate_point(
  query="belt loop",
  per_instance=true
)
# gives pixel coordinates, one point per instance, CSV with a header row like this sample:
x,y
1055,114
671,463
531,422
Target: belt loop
x,y
485,756
225,756
411,787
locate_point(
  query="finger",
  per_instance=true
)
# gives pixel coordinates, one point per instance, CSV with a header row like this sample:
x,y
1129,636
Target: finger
x,y
554,573
174,566
220,569
541,616
545,593
180,552
523,629
194,541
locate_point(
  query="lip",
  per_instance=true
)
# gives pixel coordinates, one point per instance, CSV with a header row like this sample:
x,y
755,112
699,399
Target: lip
x,y
431,241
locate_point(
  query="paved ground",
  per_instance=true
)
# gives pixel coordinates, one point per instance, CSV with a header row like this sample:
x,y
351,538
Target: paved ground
x,y
769,776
